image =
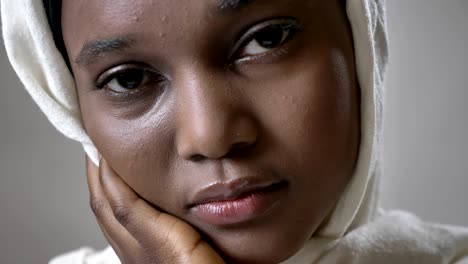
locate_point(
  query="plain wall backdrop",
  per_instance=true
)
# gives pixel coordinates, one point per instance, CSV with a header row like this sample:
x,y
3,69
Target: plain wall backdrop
x,y
43,193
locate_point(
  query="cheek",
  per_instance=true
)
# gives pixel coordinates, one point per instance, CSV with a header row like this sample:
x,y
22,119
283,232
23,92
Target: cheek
x,y
137,149
318,108
317,129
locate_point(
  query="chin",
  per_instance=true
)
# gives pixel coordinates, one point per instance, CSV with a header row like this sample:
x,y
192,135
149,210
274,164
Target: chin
x,y
262,253
259,246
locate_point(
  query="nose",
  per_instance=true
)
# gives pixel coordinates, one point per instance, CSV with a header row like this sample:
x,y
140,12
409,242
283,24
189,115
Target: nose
x,y
211,121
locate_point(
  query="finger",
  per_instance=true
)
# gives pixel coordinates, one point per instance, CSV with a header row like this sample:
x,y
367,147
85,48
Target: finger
x,y
203,253
98,201
146,224
157,233
117,236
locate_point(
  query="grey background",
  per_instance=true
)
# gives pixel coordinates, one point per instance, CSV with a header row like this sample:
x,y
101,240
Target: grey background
x,y
43,194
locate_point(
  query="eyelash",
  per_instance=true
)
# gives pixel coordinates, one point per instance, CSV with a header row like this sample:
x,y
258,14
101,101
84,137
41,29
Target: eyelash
x,y
290,25
149,77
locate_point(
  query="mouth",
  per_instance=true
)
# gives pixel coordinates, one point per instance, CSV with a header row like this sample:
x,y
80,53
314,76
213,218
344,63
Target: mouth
x,y
237,202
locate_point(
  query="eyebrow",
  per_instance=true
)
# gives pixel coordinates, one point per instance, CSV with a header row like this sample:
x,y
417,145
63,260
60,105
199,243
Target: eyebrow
x,y
94,50
229,6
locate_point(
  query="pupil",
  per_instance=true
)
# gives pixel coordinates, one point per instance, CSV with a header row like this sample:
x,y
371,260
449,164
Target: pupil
x,y
270,37
131,79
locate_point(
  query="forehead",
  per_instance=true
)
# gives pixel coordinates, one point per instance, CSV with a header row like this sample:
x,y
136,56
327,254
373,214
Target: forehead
x,y
122,12
88,20
136,7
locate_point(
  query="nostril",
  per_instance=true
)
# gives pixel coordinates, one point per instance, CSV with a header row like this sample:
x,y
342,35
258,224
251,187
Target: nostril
x,y
240,149
239,145
200,140
197,158
236,149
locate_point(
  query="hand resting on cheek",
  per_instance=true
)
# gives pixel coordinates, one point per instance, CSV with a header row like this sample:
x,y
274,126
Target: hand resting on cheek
x,y
138,232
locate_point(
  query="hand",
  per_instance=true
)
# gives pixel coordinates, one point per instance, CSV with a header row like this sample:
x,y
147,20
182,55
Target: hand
x,y
138,232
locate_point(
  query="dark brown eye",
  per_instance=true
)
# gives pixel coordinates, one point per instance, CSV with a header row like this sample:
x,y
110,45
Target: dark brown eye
x,y
270,37
267,36
128,80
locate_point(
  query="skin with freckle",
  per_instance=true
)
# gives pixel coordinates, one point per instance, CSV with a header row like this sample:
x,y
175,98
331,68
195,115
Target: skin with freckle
x,y
214,114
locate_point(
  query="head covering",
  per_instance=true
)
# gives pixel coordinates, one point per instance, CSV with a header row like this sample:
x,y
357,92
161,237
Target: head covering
x,y
54,16
41,67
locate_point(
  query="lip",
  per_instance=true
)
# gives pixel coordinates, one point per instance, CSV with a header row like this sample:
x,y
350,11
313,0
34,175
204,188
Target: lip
x,y
236,202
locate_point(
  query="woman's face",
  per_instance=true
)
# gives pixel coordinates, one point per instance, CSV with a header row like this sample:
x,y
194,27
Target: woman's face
x,y
239,117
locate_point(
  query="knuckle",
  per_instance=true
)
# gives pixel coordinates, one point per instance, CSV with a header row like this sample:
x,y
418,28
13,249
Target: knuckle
x,y
152,257
122,213
97,206
198,244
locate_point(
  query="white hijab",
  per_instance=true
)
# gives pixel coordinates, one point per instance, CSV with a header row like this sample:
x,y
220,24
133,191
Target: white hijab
x,y
32,52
